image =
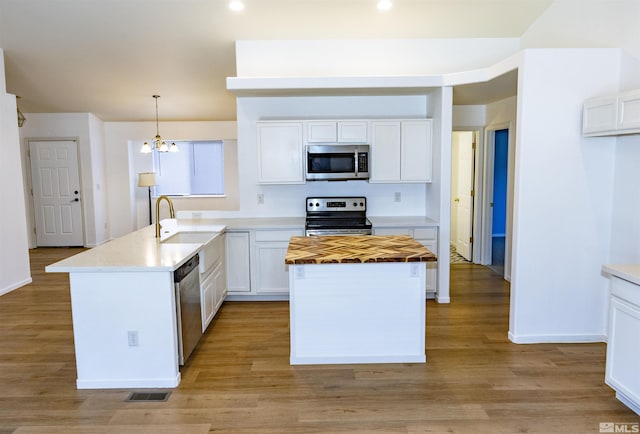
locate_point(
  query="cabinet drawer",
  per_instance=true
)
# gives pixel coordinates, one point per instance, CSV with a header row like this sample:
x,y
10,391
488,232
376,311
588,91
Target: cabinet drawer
x,y
425,233
625,290
282,235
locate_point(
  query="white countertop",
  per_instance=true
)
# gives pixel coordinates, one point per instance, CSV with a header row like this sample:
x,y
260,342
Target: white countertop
x,y
629,272
240,224
142,251
137,251
392,221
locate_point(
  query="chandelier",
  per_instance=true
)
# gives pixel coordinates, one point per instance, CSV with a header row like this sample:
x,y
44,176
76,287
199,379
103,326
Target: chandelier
x,y
158,143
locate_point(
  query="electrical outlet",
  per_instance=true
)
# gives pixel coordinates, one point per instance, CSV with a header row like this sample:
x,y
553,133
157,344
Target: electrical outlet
x,y
397,196
132,338
260,199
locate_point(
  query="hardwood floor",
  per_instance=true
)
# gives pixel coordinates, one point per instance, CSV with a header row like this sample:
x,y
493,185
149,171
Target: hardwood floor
x,y
239,379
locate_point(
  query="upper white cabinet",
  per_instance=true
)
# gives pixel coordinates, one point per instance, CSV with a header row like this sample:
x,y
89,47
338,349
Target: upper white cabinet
x,y
280,152
337,131
612,115
401,151
385,151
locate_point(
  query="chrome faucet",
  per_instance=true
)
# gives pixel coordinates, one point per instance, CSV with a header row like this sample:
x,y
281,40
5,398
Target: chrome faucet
x,y
172,213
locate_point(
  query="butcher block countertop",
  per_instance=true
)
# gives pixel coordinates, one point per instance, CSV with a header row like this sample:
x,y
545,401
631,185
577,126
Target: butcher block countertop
x,y
356,249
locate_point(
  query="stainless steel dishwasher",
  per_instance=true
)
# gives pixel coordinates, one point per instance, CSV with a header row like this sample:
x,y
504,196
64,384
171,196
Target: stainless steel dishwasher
x,y
188,310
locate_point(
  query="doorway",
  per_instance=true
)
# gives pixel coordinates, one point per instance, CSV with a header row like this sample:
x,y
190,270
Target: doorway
x,y
499,201
463,146
55,181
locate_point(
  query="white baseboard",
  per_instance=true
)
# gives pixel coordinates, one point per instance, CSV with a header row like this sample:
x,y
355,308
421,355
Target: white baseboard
x,y
556,339
443,300
8,289
148,383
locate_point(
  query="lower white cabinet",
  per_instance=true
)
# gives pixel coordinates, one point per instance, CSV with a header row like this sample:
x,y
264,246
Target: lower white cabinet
x,y
428,237
623,346
238,263
213,285
271,273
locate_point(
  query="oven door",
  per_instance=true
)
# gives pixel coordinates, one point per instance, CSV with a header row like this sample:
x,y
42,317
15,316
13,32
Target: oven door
x,y
337,162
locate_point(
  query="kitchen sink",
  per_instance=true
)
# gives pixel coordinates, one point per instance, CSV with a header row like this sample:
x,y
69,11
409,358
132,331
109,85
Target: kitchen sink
x,y
190,237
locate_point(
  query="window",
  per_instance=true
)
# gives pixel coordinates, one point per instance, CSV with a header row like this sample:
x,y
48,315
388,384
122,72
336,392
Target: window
x,y
197,169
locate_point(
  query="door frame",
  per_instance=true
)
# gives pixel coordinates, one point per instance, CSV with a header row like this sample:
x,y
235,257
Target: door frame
x,y
30,208
487,197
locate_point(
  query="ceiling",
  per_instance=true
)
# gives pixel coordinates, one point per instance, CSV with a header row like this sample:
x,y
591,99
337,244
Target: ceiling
x,y
108,57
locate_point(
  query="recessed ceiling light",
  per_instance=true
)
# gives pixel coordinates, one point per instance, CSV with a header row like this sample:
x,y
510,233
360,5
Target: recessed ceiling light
x,y
384,5
236,5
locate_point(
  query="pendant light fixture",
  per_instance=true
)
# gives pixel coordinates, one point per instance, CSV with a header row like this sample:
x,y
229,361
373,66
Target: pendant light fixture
x,y
159,144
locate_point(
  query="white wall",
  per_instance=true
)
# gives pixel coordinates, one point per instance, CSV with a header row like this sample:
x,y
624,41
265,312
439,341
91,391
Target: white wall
x,y
562,203
587,24
369,57
14,257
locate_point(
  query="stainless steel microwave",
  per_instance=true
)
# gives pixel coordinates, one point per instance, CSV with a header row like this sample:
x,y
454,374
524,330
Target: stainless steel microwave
x,y
337,162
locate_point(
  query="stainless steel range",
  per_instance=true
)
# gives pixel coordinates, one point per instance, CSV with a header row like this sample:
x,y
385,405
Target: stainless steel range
x,y
337,216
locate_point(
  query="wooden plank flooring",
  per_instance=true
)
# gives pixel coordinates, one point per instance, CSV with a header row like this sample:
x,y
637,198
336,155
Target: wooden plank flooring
x,y
239,379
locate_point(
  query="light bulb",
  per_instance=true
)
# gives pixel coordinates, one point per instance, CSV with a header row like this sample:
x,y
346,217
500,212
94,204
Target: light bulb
x,y
236,5
146,149
384,5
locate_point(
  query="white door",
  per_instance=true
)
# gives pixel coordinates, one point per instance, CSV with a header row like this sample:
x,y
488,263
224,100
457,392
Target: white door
x,y
463,196
56,193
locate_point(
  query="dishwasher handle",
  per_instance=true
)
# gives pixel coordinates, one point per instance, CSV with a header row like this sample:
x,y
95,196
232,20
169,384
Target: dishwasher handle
x,y
186,268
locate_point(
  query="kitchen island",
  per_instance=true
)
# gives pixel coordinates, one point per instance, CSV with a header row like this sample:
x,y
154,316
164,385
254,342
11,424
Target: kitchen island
x,y
357,299
123,306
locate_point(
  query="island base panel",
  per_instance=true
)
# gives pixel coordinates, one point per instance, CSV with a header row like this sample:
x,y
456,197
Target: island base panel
x,y
357,313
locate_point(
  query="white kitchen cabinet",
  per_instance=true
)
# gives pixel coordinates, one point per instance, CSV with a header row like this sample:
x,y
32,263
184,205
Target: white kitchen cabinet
x,y
385,162
208,289
415,151
629,111
280,152
428,237
401,151
220,282
213,286
238,263
623,346
337,131
599,116
271,273
612,115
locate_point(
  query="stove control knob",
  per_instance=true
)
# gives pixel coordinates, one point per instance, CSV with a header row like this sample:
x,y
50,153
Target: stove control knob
x,y
317,204
355,203
361,204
